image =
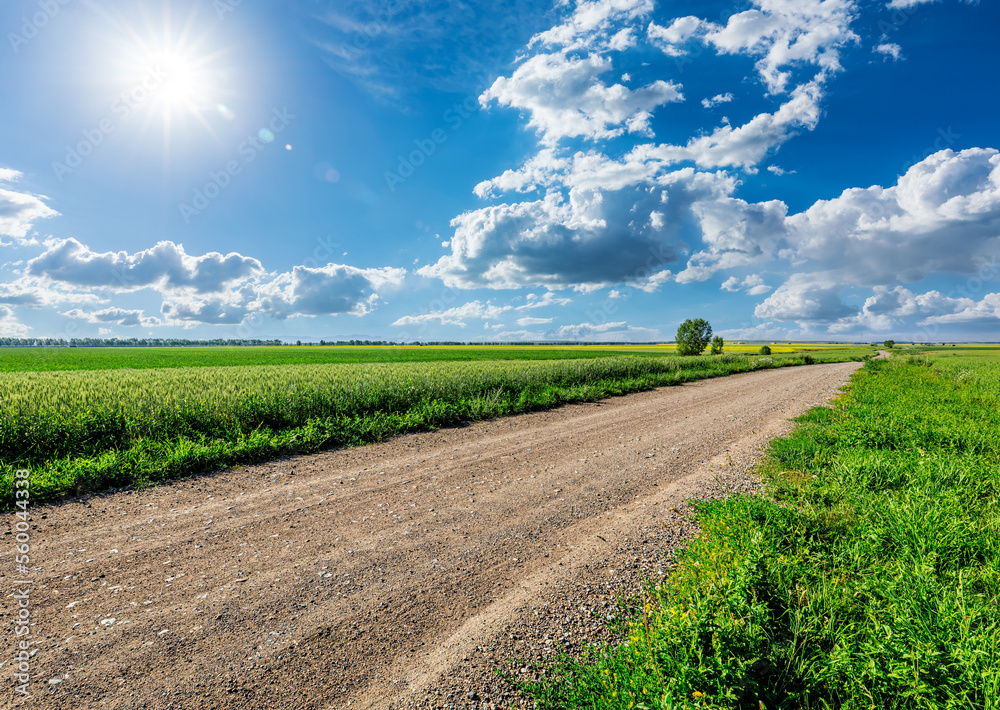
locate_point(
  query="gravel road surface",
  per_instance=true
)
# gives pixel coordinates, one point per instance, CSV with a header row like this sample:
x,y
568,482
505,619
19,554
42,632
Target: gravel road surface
x,y
394,575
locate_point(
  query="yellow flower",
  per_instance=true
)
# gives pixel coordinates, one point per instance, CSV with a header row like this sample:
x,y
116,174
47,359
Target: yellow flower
x,y
698,694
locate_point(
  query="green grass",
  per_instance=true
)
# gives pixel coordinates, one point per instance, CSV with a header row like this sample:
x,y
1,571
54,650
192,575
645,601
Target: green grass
x,y
89,430
140,358
869,579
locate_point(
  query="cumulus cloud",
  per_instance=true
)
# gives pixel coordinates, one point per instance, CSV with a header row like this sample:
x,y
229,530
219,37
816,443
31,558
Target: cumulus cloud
x,y
734,233
213,288
457,315
592,239
968,311
326,290
565,97
806,298
223,309
780,33
943,215
20,210
600,221
165,266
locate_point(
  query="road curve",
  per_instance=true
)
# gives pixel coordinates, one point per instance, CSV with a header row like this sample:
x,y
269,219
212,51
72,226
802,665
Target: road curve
x,y
394,574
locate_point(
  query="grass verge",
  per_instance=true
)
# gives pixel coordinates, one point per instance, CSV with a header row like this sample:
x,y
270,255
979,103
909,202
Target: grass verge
x,y
92,430
869,579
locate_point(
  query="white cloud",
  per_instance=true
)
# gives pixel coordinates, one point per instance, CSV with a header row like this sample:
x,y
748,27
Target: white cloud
x,y
734,233
542,169
619,331
806,298
117,316
593,239
753,285
543,301
889,49
20,210
594,23
533,321
967,311
328,290
716,100
458,315
10,326
213,288
35,293
165,266
566,98
746,145
781,33
943,215
767,331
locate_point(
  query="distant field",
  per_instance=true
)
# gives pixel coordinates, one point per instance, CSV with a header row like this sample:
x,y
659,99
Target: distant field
x,y
46,359
105,426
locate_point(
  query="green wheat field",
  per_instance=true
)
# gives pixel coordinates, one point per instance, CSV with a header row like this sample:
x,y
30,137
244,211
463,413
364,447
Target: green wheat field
x,y
90,419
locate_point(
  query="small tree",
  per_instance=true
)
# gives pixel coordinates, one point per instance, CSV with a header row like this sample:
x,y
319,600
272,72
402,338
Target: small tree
x,y
889,344
764,350
717,344
693,336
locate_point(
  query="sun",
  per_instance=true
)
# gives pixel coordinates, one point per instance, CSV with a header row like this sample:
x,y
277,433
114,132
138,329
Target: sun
x,y
182,83
170,71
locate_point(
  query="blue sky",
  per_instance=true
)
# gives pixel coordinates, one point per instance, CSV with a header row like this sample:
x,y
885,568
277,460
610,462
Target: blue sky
x,y
583,170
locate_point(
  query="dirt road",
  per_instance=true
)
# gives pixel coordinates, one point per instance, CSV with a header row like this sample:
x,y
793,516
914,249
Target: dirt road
x,y
395,574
